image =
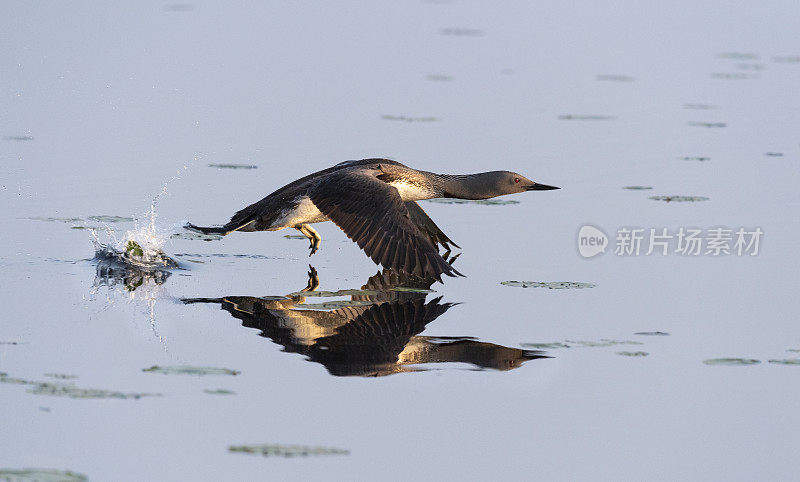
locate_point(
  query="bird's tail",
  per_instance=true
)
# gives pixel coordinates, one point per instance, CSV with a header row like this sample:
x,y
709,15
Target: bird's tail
x,y
207,230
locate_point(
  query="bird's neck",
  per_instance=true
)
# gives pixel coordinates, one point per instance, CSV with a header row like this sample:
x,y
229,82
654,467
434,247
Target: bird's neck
x,y
466,186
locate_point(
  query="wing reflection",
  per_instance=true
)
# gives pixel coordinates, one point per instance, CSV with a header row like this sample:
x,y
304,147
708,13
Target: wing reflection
x,y
375,333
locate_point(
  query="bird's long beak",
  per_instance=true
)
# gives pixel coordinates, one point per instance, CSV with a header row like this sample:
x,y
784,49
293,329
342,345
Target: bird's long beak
x,y
540,187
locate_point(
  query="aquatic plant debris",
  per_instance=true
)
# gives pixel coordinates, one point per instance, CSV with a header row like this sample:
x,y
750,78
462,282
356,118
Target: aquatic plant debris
x,y
193,236
638,188
60,376
276,450
404,118
553,285
652,333
41,475
189,370
731,361
586,117
603,342
294,236
707,124
679,199
632,353
484,202
220,391
233,166
110,219
786,361
60,389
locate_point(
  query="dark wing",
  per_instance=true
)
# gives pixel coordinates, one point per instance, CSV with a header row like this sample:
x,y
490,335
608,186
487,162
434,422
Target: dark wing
x,y
371,213
427,226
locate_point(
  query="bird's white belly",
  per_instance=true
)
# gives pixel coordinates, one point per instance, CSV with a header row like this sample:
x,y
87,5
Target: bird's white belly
x,y
409,191
304,212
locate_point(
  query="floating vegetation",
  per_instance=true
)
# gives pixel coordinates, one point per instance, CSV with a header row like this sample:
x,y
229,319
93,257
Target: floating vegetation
x,y
616,78
553,285
638,188
791,59
601,343
652,333
462,32
60,376
786,361
189,370
580,344
331,294
294,236
731,361
18,138
333,305
773,154
404,118
56,220
731,76
699,106
484,202
224,255
694,158
546,346
69,390
194,236
41,475
275,450
708,124
738,56
586,117
679,199
233,166
110,219
632,353
219,391
439,78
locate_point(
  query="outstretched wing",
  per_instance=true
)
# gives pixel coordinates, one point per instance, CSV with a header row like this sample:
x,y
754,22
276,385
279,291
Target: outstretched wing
x,y
371,213
427,226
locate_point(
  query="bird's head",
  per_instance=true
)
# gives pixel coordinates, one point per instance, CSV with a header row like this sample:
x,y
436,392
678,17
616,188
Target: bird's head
x,y
507,182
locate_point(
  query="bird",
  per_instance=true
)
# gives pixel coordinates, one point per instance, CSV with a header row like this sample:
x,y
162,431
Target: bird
x,y
374,202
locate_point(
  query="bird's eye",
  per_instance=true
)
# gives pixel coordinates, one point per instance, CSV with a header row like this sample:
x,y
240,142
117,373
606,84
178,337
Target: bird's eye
x,y
516,179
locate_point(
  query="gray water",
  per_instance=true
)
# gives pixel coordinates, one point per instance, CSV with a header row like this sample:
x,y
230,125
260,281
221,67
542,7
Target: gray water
x,y
102,104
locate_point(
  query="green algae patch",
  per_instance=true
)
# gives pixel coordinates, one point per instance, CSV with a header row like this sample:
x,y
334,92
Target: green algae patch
x,y
41,475
484,202
679,199
134,249
786,361
633,353
69,390
288,451
219,391
233,166
189,370
333,305
193,236
552,285
733,362
637,188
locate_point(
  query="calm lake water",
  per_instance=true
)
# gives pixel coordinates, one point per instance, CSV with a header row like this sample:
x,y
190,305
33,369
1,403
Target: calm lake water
x,y
656,367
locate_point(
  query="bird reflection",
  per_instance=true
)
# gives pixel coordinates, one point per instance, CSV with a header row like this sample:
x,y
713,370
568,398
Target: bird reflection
x,y
375,333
